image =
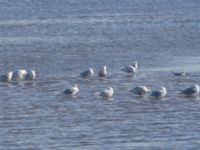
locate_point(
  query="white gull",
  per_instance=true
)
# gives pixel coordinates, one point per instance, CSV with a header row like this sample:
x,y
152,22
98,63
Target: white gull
x,y
31,75
129,69
103,72
72,91
107,93
160,93
191,91
135,65
19,75
6,77
88,73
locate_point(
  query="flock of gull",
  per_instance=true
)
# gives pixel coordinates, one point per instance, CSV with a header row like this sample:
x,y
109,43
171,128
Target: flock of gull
x,y
30,75
139,90
18,75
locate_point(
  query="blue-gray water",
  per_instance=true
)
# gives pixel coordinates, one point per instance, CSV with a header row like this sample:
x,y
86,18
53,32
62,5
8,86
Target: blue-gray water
x,y
61,38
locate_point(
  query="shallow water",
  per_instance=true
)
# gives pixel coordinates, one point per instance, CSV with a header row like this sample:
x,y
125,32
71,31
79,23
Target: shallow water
x,y
63,38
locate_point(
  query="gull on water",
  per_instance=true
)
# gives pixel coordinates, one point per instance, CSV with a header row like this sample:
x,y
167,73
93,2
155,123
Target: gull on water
x,y
103,72
31,75
129,69
19,75
88,73
6,77
107,93
183,73
191,91
141,90
160,93
135,65
72,91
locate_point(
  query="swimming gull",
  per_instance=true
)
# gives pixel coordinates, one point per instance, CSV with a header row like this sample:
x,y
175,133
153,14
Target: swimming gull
x,y
103,72
72,91
160,93
31,75
191,91
141,90
19,75
88,73
135,65
129,69
6,77
107,93
183,73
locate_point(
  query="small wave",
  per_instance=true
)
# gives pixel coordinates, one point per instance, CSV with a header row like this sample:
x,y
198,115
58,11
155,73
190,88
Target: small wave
x,y
27,40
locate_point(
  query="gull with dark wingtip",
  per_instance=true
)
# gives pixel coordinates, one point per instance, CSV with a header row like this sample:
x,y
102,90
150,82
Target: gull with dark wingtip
x,y
141,90
88,73
31,75
72,91
107,93
191,91
159,93
182,73
129,69
19,75
6,77
135,65
103,72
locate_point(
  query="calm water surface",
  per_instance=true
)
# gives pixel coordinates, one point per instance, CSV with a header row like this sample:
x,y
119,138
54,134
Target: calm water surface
x,y
60,39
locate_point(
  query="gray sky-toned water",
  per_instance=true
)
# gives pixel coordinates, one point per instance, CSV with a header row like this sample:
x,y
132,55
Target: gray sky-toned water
x,y
62,38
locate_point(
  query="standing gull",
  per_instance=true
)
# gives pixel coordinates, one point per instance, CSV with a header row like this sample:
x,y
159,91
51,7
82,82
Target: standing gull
x,y
6,77
103,72
191,91
107,93
88,73
72,91
160,93
141,90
